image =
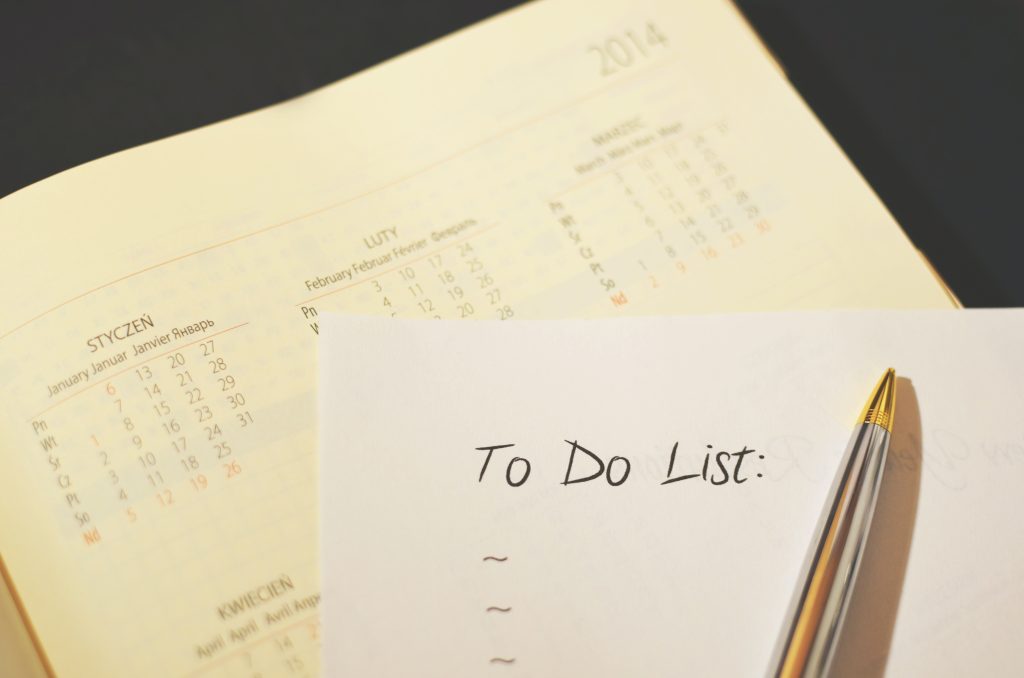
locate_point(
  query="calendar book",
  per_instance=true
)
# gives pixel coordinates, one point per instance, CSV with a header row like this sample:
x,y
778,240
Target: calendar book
x,y
158,457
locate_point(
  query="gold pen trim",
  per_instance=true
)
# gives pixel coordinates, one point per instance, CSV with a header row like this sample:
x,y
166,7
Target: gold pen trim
x,y
881,408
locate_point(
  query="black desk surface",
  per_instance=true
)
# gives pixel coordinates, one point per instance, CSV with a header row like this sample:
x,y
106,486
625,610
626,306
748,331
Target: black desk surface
x,y
926,97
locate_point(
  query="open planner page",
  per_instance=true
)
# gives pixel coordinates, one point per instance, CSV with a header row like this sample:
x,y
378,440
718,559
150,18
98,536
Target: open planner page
x,y
635,497
158,503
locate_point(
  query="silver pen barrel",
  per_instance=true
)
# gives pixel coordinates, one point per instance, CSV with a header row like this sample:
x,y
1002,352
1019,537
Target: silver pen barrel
x,y
808,639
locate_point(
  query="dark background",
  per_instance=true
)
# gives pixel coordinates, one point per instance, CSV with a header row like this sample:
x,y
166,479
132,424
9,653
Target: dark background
x,y
925,96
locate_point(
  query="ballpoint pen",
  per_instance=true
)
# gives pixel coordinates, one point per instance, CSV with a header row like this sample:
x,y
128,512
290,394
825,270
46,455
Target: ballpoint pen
x,y
808,639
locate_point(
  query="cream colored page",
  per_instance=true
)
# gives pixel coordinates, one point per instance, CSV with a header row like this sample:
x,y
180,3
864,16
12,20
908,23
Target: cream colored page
x,y
444,559
18,655
158,513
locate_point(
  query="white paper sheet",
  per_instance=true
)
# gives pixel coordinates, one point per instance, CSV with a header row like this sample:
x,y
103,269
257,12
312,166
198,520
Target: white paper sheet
x,y
430,570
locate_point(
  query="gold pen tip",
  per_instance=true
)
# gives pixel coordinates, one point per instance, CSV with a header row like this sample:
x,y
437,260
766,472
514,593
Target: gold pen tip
x,y
881,406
